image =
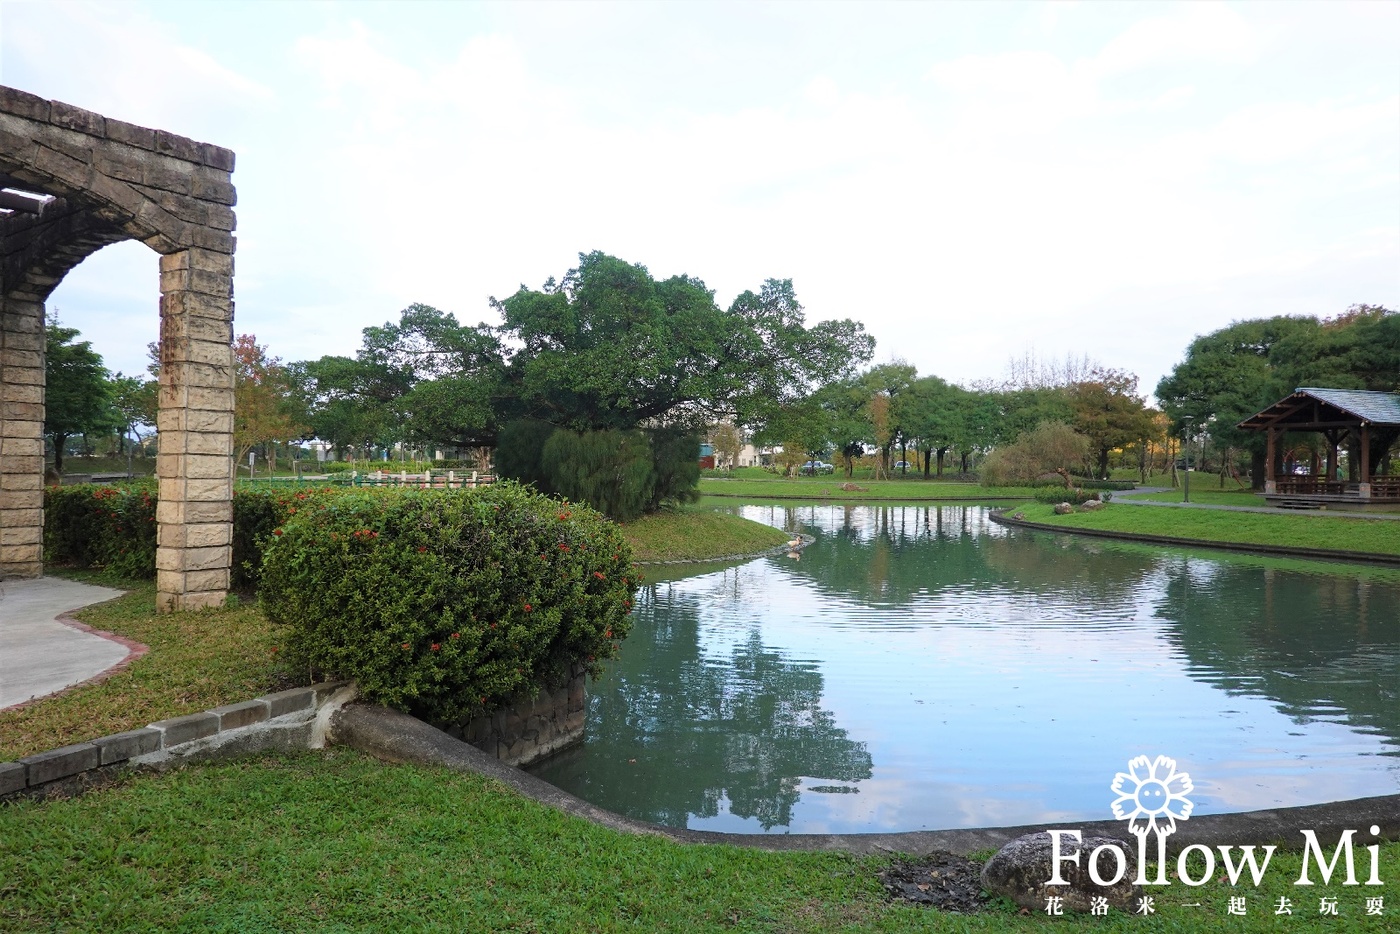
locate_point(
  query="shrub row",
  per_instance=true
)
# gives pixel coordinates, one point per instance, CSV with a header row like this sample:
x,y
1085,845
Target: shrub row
x,y
448,603
114,526
1059,494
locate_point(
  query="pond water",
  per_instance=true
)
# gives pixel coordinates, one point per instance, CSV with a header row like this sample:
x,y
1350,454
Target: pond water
x,y
920,667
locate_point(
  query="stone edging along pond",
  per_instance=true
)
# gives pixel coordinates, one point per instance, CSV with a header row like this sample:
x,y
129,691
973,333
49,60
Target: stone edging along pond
x,y
311,717
1363,557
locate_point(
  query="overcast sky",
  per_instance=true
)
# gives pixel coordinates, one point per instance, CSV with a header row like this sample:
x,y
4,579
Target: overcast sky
x,y
971,181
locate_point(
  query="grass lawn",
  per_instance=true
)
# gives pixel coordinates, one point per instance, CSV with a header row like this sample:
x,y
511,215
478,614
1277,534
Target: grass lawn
x,y
1208,496
339,841
828,489
696,534
1337,533
196,661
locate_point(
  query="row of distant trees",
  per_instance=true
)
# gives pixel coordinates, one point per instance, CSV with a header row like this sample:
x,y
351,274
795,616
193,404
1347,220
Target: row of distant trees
x,y
614,356
83,398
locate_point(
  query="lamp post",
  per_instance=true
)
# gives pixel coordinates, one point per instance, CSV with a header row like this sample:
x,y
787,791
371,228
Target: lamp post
x,y
1186,450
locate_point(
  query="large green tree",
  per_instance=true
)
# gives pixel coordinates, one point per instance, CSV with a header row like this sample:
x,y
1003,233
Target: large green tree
x,y
424,378
1230,374
1108,411
611,347
134,402
76,393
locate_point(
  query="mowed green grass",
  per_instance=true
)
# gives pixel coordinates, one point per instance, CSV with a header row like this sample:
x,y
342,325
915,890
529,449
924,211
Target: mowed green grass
x,y
828,489
1208,496
196,661
1333,533
338,841
697,534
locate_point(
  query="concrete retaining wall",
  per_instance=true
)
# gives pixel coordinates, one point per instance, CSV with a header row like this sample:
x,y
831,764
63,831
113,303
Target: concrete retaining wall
x,y
531,727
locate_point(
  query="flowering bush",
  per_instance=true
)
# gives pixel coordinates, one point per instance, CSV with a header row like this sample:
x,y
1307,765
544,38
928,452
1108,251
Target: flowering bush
x,y
447,603
104,526
114,526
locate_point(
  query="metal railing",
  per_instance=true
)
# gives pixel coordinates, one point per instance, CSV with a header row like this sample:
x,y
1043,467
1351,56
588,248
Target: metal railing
x,y
432,479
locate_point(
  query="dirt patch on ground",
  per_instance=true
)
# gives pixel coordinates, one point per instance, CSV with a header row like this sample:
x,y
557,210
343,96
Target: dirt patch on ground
x,y
940,880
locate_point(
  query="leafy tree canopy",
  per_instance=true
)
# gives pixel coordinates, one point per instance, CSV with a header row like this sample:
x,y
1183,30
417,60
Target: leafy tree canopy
x,y
76,393
611,347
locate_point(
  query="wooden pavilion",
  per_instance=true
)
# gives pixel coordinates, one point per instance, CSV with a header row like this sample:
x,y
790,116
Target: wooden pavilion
x,y
1370,420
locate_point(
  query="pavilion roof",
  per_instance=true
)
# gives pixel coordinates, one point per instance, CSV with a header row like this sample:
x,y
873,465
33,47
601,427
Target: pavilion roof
x,y
1312,408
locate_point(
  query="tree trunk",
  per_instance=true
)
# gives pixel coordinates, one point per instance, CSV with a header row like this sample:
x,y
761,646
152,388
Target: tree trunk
x,y
59,440
942,452
928,458
1103,463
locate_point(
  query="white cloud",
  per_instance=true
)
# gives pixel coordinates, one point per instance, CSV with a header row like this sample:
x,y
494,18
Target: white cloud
x,y
1024,185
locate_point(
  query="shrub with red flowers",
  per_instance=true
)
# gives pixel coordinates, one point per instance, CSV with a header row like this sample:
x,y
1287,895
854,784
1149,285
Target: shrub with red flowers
x,y
447,602
113,527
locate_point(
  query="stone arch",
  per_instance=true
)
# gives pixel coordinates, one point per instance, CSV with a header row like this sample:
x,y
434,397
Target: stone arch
x,y
107,181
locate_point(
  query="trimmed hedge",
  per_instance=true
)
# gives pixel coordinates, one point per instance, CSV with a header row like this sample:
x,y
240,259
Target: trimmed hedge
x,y
449,603
1087,483
1059,494
113,527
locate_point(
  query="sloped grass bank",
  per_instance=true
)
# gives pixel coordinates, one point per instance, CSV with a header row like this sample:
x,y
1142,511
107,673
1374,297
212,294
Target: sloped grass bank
x,y
698,534
1322,532
339,841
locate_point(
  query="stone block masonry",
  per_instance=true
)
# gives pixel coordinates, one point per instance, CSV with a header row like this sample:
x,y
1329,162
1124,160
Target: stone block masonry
x,y
110,181
285,720
530,728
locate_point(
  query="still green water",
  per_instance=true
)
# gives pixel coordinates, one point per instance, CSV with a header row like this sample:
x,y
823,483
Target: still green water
x,y
920,667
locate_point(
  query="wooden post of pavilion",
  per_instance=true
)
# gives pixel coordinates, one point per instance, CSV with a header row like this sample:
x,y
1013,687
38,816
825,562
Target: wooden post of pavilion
x,y
1269,485
1365,486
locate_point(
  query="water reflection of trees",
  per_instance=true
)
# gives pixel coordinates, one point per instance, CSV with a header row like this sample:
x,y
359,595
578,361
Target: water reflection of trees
x,y
673,730
896,554
1319,645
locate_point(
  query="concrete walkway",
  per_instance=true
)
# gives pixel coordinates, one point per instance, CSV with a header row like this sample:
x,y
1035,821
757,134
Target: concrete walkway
x,y
39,654
1129,497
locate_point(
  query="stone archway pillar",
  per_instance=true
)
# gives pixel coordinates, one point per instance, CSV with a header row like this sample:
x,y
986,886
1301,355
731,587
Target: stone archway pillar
x,y
194,552
21,435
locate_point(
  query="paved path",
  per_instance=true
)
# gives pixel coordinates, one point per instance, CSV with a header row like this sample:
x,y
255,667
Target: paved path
x,y
1129,497
40,655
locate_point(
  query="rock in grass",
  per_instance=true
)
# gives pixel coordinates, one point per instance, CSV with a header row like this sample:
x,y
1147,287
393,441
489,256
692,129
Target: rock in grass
x,y
1021,871
1063,509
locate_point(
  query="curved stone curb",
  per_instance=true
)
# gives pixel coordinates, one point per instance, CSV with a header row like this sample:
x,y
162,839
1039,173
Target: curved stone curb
x,y
1360,557
398,737
775,550
286,720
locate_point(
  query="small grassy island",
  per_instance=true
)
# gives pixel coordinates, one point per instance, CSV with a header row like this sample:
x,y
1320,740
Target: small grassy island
x,y
694,533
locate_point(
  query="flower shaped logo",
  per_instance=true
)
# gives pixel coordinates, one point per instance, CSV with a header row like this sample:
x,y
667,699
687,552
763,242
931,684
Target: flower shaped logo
x,y
1152,796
